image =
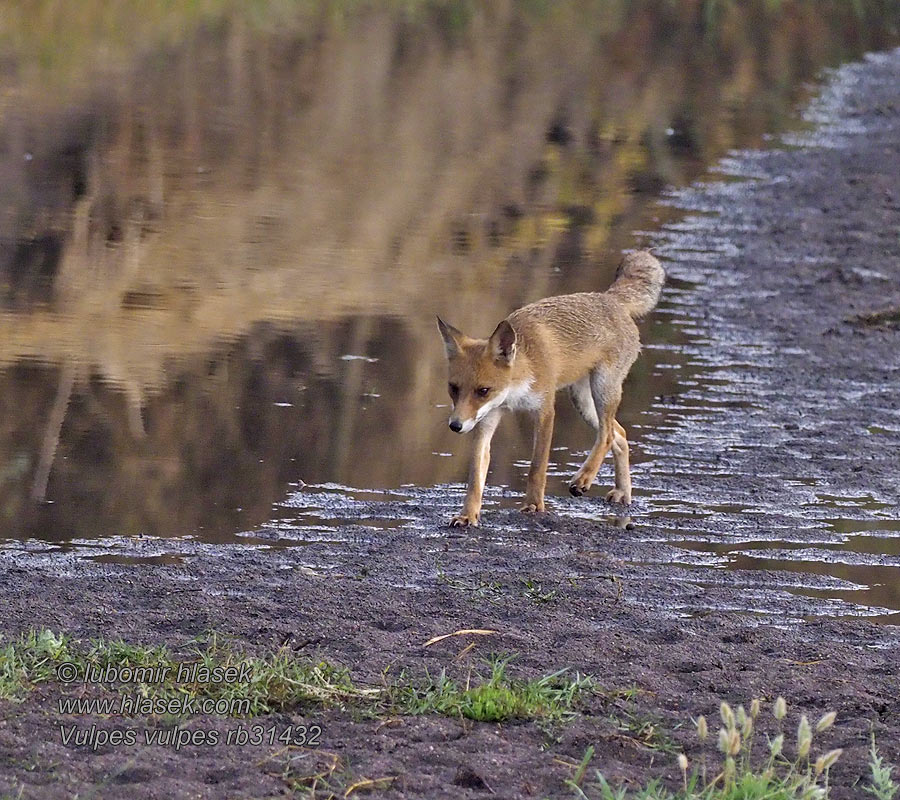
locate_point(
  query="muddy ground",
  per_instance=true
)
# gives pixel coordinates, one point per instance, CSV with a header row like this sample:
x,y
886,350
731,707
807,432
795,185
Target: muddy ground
x,y
768,282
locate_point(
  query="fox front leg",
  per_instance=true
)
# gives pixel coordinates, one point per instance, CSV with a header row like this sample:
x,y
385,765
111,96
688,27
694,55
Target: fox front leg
x,y
481,459
540,457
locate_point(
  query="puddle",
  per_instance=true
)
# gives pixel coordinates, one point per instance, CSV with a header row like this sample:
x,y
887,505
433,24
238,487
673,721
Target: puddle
x,y
164,560
863,550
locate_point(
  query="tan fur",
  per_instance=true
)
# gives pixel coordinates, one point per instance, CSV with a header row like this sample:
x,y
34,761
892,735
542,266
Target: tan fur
x,y
585,341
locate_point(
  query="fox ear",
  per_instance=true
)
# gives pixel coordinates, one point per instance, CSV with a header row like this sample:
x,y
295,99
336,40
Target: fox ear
x,y
451,337
503,343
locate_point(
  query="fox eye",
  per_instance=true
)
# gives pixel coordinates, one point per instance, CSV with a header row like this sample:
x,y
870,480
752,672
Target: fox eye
x,y
483,391
454,389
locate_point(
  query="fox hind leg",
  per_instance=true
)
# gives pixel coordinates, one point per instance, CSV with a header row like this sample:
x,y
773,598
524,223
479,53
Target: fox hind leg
x,y
605,402
622,492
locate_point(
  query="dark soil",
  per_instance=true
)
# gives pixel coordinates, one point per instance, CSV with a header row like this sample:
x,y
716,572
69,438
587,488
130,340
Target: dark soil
x,y
772,281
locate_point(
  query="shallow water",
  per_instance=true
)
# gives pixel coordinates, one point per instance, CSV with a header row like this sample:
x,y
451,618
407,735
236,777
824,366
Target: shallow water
x,y
223,250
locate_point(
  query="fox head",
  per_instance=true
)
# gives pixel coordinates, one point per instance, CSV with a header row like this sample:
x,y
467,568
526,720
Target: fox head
x,y
479,374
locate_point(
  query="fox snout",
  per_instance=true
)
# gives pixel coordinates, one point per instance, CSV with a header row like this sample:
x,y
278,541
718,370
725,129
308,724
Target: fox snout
x,y
458,425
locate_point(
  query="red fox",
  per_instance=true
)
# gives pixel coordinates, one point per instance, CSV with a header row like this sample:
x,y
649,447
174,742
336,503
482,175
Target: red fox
x,y
586,342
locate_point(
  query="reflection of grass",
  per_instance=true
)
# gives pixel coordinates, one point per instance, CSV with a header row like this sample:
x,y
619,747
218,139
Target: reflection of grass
x,y
61,38
63,41
714,10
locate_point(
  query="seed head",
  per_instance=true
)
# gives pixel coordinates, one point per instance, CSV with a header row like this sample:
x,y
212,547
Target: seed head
x,y
723,740
754,708
776,745
727,714
826,722
734,742
780,710
827,761
804,737
702,729
741,716
682,762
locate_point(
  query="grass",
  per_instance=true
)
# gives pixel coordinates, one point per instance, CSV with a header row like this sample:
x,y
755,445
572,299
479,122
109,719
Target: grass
x,y
480,589
883,785
255,685
536,592
326,776
497,698
735,774
278,680
645,729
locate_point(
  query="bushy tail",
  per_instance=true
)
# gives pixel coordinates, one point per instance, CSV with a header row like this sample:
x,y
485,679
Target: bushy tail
x,y
639,280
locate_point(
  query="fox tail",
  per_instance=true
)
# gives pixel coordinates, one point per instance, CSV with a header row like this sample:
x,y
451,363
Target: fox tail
x,y
639,280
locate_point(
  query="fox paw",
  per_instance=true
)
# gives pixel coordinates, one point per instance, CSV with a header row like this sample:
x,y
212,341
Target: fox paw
x,y
619,496
579,486
532,508
464,521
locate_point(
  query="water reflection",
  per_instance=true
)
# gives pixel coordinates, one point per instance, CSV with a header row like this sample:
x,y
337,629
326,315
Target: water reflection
x,y
198,237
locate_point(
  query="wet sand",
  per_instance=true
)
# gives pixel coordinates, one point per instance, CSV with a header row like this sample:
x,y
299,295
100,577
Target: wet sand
x,y
771,278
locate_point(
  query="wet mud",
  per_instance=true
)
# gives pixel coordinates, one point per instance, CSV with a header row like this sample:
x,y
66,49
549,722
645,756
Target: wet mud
x,y
792,451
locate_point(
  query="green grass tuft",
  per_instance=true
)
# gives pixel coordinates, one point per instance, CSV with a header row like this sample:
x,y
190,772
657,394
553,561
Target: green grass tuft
x,y
275,681
498,698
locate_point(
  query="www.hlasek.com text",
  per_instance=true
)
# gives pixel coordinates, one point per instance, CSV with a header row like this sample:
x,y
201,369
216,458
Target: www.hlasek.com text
x,y
136,704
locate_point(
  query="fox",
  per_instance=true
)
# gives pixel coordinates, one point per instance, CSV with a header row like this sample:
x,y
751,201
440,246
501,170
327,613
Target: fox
x,y
586,343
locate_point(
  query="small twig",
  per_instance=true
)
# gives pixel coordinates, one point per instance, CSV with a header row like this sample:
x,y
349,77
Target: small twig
x,y
467,649
389,723
371,783
464,632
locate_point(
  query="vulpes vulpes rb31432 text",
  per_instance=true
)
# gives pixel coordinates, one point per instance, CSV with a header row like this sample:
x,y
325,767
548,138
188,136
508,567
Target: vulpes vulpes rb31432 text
x,y
584,342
